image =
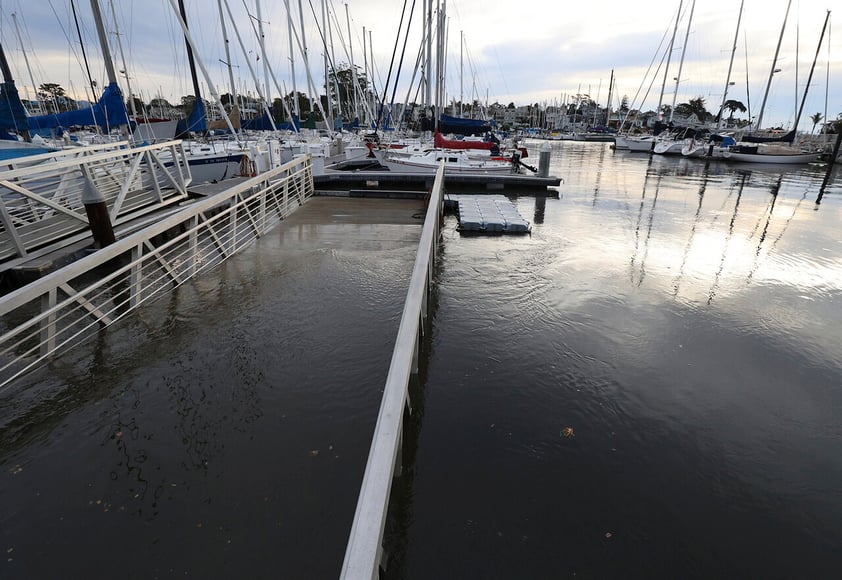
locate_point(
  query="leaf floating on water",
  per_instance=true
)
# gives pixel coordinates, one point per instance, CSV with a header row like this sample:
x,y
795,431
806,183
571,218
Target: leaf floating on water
x,y
567,432
608,535
314,453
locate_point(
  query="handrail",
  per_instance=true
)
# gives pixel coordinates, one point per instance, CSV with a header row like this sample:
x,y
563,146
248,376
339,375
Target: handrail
x,y
42,196
363,552
65,307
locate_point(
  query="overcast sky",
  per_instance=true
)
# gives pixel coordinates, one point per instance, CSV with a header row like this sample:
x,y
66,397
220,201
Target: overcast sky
x,y
523,52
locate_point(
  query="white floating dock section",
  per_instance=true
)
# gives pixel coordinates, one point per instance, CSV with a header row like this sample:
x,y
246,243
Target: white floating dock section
x,y
490,214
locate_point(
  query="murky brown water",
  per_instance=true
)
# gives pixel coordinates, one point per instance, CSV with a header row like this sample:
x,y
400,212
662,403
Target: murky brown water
x,y
677,317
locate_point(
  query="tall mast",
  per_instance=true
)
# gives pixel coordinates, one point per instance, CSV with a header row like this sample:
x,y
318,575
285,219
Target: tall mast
x,y
262,40
681,62
461,55
295,104
179,10
368,76
428,75
42,109
332,55
772,71
610,96
190,58
326,61
669,57
233,102
254,74
730,65
106,57
810,77
123,60
353,66
82,45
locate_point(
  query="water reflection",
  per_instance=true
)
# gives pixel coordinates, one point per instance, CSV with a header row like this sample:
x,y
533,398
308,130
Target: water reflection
x,y
677,334
540,209
696,219
715,285
638,272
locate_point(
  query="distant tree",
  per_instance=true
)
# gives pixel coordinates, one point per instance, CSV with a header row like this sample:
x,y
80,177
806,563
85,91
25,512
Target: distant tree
x,y
159,106
732,107
55,94
511,106
138,105
815,118
304,104
694,107
342,79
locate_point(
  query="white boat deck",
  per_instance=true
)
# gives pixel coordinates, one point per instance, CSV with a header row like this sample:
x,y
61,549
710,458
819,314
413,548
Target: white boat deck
x,y
490,214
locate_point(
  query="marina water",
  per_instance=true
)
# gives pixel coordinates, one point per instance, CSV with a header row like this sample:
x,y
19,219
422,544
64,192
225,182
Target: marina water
x,y
649,385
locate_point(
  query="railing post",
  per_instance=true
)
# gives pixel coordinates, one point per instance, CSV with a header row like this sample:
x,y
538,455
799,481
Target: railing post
x,y
136,277
232,222
193,244
48,324
261,208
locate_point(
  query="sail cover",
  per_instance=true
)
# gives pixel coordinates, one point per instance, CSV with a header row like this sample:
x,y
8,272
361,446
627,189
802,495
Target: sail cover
x,y
108,112
12,114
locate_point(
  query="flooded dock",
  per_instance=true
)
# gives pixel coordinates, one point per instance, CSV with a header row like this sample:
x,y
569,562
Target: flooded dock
x,y
644,386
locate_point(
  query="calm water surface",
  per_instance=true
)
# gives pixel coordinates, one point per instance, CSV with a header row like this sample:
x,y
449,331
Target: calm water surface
x,y
680,319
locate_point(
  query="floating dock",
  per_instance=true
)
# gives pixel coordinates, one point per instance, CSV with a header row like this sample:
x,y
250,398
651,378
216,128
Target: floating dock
x,y
494,214
373,181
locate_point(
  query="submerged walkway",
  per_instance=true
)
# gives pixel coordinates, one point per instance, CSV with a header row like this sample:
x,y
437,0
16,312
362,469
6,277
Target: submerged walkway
x,y
223,429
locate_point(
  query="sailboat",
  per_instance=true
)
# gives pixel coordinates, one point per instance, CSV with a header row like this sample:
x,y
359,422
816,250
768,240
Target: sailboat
x,y
645,143
673,143
717,145
14,124
774,150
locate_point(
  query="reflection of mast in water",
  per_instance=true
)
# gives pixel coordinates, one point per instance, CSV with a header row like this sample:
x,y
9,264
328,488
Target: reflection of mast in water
x,y
718,275
771,209
598,175
702,189
651,221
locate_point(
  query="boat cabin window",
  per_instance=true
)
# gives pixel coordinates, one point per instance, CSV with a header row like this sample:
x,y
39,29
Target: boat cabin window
x,y
452,159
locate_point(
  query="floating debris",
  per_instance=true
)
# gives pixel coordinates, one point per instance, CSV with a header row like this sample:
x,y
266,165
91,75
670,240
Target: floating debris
x,y
567,432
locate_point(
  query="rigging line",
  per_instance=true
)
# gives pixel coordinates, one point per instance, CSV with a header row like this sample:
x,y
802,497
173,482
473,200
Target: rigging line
x,y
403,53
61,27
84,55
649,68
391,65
327,54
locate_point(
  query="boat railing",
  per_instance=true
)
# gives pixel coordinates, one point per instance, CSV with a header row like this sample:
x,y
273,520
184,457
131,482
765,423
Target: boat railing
x,y
364,550
42,196
72,304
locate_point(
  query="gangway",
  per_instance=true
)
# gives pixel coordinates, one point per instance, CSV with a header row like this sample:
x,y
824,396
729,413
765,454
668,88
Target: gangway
x,y
41,196
69,305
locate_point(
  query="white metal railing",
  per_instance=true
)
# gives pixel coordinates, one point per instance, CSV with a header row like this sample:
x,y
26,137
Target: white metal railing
x,y
364,550
41,196
69,305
